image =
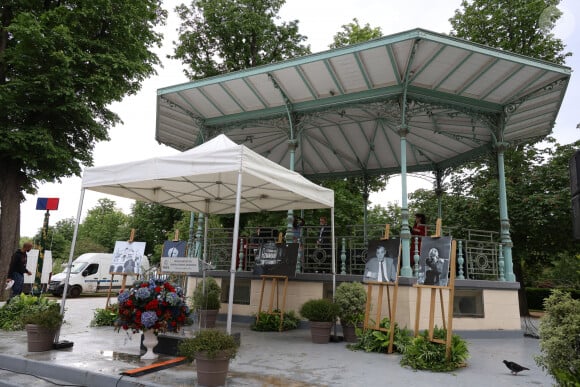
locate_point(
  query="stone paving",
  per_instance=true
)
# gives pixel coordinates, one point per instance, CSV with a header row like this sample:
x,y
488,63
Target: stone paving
x,y
100,354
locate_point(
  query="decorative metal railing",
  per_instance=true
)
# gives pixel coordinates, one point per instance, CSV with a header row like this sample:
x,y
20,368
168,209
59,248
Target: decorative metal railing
x,y
477,254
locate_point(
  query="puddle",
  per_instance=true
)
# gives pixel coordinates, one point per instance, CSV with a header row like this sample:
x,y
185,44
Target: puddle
x,y
125,357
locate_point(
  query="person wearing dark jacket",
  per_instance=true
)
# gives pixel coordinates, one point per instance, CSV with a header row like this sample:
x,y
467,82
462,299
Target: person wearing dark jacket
x,y
18,268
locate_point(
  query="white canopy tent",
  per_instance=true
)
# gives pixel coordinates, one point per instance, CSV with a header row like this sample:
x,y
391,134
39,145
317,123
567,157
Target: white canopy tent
x,y
217,177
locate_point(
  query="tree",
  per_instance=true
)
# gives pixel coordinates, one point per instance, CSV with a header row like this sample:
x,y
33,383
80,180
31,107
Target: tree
x,y
62,63
519,26
219,36
104,225
523,27
353,33
152,222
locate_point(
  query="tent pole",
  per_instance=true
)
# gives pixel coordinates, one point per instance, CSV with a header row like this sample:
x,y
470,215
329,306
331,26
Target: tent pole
x,y
234,252
70,258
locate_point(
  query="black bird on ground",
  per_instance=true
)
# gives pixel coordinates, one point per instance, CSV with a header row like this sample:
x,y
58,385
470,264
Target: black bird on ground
x,y
514,367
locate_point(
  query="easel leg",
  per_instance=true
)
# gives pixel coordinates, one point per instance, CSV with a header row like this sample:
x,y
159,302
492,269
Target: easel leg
x,y
393,319
418,312
368,306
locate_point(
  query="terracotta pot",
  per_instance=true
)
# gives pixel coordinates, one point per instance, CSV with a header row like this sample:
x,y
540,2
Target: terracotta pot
x,y
208,317
39,338
320,331
212,372
349,333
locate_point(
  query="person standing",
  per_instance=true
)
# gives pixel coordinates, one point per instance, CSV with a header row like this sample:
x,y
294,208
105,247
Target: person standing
x,y
419,229
18,268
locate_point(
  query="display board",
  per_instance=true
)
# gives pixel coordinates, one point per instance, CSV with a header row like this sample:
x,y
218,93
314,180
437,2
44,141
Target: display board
x,y
276,259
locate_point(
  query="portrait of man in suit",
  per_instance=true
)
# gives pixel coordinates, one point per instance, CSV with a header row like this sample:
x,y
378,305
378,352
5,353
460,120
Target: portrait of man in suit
x,y
382,267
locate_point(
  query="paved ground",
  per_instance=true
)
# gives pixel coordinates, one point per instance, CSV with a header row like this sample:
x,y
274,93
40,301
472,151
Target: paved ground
x,y
99,355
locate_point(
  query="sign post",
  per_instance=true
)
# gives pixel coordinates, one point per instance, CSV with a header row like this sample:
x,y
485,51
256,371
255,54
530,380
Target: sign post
x,y
47,204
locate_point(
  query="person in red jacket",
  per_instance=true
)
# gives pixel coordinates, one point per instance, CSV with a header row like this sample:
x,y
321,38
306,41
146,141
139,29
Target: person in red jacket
x,y
419,229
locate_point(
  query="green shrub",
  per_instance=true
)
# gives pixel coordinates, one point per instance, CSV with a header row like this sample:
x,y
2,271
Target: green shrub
x,y
271,322
560,338
537,296
16,314
351,299
105,317
208,299
374,340
320,310
423,354
46,315
210,341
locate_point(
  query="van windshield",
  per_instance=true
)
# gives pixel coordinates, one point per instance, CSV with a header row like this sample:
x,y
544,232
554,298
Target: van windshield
x,y
77,267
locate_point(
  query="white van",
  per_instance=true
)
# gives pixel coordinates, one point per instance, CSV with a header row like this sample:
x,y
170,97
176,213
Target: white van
x,y
90,273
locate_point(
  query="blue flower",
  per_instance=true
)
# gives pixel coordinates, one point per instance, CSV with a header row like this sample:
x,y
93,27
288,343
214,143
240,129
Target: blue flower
x,y
148,319
172,299
142,293
124,296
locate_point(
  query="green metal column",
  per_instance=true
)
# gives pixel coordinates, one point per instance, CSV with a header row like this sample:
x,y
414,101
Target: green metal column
x,y
505,238
406,270
36,289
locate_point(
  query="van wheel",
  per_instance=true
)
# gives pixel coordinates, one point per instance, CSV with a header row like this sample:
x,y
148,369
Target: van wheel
x,y
75,291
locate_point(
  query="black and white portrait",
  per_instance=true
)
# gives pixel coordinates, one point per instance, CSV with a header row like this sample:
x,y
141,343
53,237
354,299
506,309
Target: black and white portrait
x,y
127,257
174,249
434,261
383,260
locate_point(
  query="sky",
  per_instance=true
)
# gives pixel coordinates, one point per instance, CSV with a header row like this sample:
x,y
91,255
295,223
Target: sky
x,y
320,20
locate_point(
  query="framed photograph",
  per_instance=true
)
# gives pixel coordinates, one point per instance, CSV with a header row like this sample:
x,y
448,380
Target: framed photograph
x,y
174,249
127,258
434,261
277,259
382,260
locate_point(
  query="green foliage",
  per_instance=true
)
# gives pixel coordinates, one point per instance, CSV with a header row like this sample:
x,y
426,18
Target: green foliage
x,y
150,220
62,64
353,33
210,341
374,340
423,354
271,322
25,309
520,26
560,338
219,36
351,299
319,310
105,317
105,224
207,297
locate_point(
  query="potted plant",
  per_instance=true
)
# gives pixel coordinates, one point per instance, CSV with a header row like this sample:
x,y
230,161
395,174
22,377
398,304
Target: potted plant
x,y
151,307
322,314
206,299
212,350
42,320
351,299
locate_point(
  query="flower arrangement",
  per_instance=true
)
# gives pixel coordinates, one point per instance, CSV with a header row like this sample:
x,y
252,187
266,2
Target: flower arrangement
x,y
156,305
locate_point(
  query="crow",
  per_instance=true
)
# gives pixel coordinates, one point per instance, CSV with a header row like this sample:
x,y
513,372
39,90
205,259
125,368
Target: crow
x,y
514,367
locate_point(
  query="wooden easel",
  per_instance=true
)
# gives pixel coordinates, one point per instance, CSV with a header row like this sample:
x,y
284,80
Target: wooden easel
x,y
392,306
448,325
387,231
274,288
124,279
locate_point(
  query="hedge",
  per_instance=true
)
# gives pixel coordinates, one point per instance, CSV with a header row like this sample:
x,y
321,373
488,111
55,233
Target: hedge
x,y
536,296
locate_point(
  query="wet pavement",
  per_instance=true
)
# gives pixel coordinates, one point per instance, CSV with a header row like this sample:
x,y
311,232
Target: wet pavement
x,y
100,354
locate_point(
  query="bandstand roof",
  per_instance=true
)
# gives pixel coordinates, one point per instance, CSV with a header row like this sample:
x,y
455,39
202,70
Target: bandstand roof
x,y
347,111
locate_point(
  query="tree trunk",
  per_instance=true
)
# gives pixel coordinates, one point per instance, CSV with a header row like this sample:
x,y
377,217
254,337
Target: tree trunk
x,y
11,184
